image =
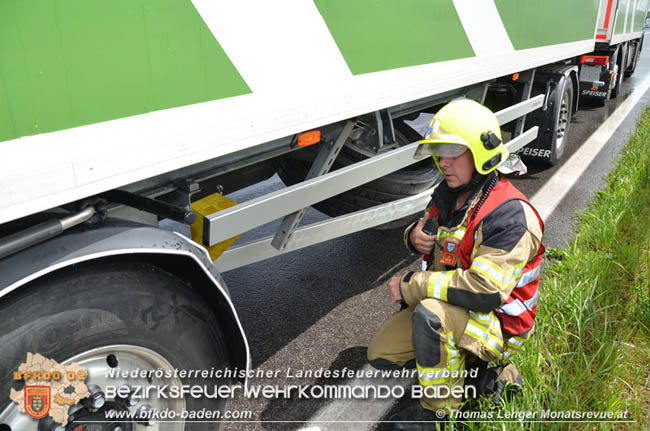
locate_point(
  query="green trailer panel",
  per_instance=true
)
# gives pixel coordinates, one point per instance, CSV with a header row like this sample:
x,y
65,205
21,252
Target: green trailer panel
x,y
640,15
620,17
391,34
532,24
630,16
70,63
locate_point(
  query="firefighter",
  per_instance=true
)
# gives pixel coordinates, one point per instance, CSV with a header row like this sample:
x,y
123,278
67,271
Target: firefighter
x,y
476,295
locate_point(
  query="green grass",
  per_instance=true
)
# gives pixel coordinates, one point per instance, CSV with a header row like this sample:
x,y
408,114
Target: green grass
x,y
591,350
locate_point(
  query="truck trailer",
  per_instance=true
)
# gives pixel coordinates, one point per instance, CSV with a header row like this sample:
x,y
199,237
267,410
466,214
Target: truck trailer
x,y
115,115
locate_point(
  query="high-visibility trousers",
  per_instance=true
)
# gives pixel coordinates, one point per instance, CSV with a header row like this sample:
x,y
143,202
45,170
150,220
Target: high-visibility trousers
x,y
436,337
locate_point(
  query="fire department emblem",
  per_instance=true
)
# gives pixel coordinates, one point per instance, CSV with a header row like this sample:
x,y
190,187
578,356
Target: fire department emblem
x,y
37,401
449,253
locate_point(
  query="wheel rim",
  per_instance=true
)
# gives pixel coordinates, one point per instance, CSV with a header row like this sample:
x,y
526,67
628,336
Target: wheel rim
x,y
99,362
562,122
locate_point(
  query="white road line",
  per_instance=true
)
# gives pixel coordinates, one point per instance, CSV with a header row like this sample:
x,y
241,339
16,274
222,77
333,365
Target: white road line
x,y
547,199
356,409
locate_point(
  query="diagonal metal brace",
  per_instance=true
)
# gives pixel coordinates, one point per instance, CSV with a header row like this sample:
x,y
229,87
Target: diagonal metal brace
x,y
322,164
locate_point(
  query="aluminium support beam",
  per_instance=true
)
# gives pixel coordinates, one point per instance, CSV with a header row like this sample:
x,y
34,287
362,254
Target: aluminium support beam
x,y
522,140
246,216
522,108
256,212
258,250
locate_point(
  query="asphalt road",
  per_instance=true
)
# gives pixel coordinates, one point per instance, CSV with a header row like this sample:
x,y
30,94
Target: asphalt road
x,y
317,308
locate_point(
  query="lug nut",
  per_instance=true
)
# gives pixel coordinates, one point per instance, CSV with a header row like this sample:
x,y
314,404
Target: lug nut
x,y
146,415
96,399
130,400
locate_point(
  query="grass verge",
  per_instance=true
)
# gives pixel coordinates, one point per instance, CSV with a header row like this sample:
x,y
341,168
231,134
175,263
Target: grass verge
x,y
591,350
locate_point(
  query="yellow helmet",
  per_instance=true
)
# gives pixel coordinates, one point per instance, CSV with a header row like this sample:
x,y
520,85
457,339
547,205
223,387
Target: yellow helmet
x,y
462,124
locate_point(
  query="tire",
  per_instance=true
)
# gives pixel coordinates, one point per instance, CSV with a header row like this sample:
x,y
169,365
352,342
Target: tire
x,y
406,182
637,54
629,73
620,61
108,315
561,120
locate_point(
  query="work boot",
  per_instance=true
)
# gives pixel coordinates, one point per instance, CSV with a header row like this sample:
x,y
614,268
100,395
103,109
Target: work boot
x,y
508,384
417,418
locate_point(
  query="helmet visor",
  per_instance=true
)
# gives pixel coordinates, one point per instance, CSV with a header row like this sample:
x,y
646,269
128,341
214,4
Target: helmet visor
x,y
441,150
446,150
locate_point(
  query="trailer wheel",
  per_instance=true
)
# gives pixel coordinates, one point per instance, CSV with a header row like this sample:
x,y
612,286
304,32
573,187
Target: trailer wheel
x,y
561,119
637,54
110,316
406,182
619,67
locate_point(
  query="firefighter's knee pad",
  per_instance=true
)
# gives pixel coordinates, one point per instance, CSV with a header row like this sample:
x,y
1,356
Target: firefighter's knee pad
x,y
427,327
427,315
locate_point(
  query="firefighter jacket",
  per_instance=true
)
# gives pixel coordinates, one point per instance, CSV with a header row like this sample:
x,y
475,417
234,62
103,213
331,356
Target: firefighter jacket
x,y
487,257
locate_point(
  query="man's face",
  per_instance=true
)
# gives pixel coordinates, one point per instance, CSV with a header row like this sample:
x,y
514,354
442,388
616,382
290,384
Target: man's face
x,y
457,170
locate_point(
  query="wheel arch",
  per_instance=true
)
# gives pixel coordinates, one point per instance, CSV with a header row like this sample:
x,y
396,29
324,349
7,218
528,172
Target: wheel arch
x,y
118,241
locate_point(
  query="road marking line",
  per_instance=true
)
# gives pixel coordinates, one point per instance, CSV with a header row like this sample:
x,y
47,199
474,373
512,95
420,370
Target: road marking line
x,y
547,198
360,409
